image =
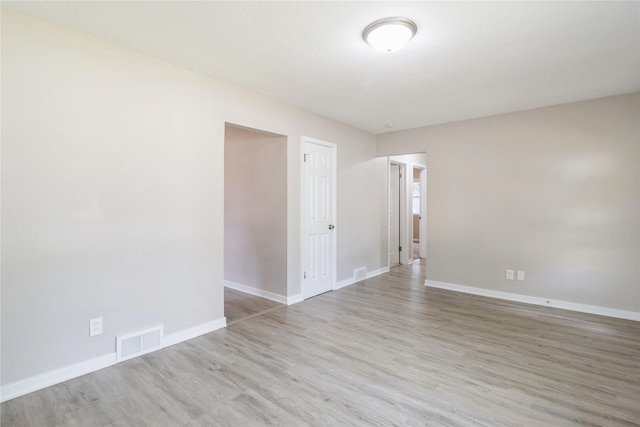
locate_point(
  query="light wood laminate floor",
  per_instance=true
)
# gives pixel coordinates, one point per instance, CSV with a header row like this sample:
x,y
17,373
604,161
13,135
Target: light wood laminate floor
x,y
386,351
239,305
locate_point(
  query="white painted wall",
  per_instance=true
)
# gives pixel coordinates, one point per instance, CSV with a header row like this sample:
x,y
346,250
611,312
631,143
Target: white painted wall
x,y
553,191
255,210
112,193
360,218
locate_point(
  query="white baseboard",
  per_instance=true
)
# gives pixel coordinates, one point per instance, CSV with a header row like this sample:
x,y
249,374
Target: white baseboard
x,y
352,280
256,292
31,384
294,299
565,305
377,272
196,331
38,382
343,283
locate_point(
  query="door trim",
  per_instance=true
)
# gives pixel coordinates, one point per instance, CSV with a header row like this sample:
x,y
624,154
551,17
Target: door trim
x,y
423,209
405,242
334,209
423,213
390,202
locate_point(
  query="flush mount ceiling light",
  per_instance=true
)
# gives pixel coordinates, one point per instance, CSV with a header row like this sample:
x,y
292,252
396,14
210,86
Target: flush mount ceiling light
x,y
389,34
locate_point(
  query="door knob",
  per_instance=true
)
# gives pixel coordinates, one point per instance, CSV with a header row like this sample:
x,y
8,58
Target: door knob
x,y
331,226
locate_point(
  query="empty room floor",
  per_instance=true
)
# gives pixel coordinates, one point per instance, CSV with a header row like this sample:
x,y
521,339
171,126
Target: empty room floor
x,y
386,351
239,305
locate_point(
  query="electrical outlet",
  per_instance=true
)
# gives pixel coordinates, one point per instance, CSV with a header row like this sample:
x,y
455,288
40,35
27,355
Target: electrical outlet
x,y
509,275
521,275
95,327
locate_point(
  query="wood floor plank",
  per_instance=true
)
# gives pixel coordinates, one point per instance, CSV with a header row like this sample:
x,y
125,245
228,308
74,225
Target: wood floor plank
x,y
386,351
239,305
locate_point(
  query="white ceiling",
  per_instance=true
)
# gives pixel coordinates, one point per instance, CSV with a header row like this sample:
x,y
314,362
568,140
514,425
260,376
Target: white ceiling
x,y
468,59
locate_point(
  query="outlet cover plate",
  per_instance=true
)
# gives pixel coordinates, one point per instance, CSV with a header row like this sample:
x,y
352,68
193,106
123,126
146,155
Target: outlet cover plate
x,y
509,275
521,275
95,326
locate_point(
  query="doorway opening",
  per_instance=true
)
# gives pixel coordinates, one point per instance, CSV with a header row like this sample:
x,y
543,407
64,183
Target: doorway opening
x,y
407,208
255,221
397,172
418,210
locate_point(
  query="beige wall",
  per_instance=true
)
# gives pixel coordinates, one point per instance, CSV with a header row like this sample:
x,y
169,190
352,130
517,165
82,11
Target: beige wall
x,y
112,193
255,210
362,226
553,191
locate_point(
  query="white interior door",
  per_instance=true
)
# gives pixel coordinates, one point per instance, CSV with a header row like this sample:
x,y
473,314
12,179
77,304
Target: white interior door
x,y
394,214
319,246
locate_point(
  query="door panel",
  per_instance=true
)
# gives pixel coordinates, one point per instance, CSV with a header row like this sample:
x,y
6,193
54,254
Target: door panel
x,y
394,214
319,250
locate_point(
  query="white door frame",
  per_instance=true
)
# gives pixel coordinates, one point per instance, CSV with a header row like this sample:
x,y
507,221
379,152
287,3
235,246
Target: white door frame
x,y
423,213
334,204
403,217
393,255
423,209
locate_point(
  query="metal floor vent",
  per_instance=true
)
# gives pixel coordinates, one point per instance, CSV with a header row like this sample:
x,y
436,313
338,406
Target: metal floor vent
x,y
139,343
360,273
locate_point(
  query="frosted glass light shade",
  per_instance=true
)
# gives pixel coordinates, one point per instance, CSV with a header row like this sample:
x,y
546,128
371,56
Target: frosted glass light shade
x,y
389,34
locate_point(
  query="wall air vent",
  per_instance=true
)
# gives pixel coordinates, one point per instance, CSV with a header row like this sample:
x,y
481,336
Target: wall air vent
x,y
360,274
139,343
